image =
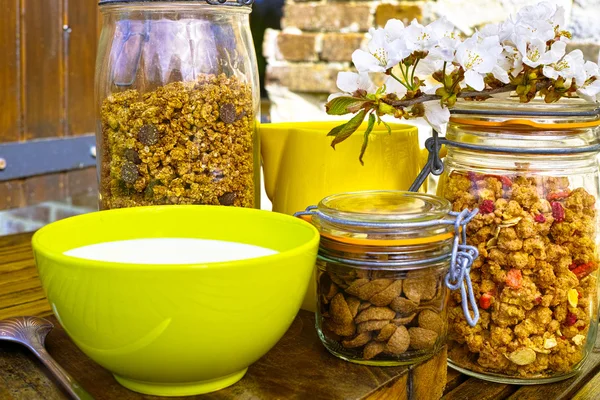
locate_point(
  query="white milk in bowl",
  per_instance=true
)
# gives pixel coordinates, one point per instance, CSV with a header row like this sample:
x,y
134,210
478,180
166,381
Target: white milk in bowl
x,y
169,251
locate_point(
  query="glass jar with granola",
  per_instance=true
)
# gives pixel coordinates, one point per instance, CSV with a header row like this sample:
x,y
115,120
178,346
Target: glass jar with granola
x,y
381,274
178,104
532,172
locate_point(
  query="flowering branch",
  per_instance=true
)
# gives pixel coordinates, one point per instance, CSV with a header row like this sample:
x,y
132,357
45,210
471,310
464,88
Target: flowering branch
x,y
426,69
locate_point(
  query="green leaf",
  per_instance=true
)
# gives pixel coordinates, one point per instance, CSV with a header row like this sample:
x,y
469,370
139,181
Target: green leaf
x,y
349,128
366,138
336,130
344,105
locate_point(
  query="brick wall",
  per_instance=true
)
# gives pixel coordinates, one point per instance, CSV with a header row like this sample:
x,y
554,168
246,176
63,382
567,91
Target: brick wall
x,y
318,38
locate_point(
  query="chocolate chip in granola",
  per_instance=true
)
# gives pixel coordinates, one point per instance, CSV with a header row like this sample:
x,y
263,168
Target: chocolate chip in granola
x,y
129,173
227,113
227,199
148,135
132,156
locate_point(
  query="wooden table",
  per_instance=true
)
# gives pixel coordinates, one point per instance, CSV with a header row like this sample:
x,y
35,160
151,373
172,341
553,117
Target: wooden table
x,y
298,367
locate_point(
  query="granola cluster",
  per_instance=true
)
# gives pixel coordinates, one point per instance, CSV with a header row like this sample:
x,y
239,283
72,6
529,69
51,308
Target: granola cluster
x,y
183,143
535,277
374,315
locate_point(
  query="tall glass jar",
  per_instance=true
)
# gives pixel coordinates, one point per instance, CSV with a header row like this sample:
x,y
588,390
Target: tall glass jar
x,y
532,172
178,102
381,275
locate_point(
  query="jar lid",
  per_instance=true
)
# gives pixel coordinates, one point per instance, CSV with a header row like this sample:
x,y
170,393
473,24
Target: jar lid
x,y
397,218
384,218
569,113
211,2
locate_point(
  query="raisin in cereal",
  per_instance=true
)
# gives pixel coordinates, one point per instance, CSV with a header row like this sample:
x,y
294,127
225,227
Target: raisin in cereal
x,y
182,143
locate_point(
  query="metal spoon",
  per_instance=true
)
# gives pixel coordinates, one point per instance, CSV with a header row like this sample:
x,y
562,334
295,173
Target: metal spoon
x,y
31,332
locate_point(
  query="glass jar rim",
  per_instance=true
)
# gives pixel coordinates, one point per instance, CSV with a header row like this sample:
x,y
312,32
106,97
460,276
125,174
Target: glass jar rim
x,y
231,3
384,218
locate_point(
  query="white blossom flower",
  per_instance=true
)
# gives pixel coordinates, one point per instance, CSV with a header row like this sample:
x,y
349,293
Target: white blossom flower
x,y
446,42
535,54
383,54
570,67
478,58
511,60
507,31
436,115
417,37
393,29
350,82
540,21
591,89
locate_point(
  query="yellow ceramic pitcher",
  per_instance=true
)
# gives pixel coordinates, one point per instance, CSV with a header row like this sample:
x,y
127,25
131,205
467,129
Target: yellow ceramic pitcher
x,y
301,167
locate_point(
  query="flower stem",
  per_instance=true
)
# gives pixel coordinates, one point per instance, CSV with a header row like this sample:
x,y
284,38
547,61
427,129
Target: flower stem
x,y
412,75
444,75
430,97
405,75
399,80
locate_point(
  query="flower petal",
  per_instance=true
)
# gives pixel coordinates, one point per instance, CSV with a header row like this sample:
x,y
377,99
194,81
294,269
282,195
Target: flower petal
x,y
590,92
393,29
436,115
475,80
366,62
393,86
557,51
347,81
500,74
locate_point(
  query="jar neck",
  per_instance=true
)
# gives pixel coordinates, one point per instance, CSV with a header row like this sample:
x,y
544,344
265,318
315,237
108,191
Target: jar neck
x,y
386,257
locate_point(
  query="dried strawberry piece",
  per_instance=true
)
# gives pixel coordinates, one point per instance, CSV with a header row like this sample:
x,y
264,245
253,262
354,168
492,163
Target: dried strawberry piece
x,y
563,337
540,218
506,182
486,207
558,195
580,328
571,319
485,301
558,212
583,270
514,278
572,266
537,300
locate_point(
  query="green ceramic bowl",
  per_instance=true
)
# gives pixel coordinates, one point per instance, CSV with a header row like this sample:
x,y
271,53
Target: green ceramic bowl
x,y
176,330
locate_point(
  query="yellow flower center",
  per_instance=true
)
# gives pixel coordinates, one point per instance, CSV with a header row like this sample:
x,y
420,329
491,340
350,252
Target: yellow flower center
x,y
474,59
381,55
561,65
534,54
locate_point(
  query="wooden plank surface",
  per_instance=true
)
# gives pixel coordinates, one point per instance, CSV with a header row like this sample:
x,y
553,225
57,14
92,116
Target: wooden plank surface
x,y
20,288
298,367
